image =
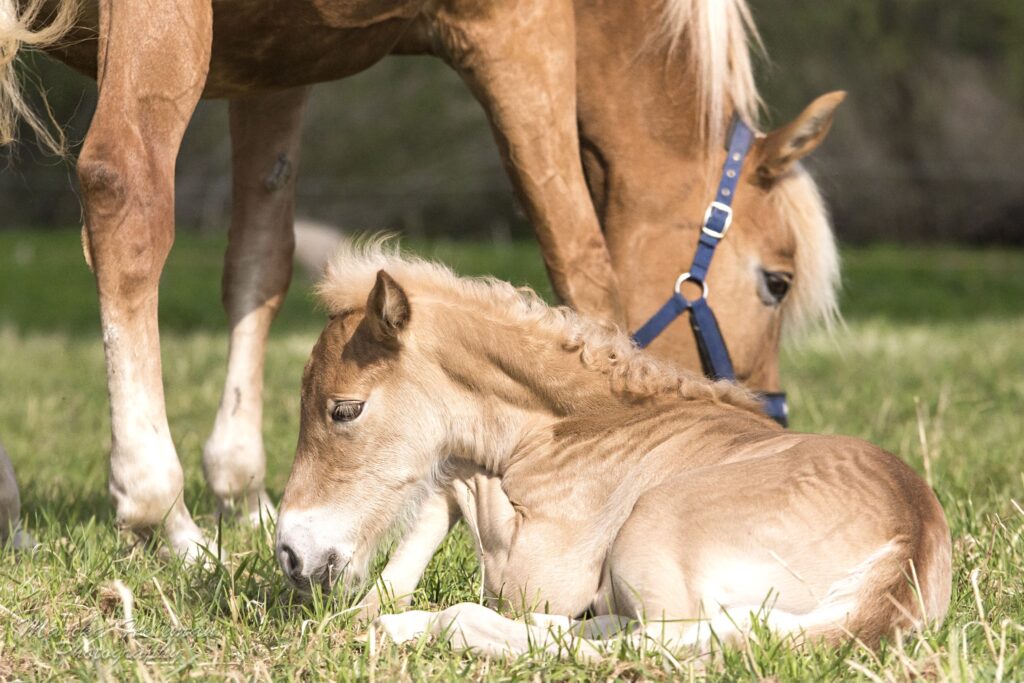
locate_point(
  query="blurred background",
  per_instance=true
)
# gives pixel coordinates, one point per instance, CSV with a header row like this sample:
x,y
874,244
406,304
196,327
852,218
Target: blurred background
x,y
928,147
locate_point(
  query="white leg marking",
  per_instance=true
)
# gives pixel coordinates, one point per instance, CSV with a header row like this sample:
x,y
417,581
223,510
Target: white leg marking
x,y
469,626
234,461
146,481
407,563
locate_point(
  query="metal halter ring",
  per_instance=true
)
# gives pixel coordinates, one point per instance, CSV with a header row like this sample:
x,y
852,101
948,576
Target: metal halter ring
x,y
686,276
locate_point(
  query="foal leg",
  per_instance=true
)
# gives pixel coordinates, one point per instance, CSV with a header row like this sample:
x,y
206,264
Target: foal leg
x,y
519,60
265,131
405,567
153,61
469,626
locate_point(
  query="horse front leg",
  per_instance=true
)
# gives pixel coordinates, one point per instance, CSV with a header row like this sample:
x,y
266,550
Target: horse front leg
x,y
398,581
519,60
153,61
483,631
265,133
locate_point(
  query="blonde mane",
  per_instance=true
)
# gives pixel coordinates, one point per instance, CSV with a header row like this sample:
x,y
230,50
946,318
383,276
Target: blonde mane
x,y
813,297
351,273
717,36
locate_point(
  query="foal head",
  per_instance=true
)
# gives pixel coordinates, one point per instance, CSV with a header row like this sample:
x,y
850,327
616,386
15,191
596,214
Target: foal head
x,y
371,434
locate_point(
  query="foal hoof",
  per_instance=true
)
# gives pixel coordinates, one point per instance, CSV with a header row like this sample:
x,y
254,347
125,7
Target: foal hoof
x,y
401,628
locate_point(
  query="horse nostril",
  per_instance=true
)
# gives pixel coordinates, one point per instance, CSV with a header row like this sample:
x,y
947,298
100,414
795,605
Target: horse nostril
x,y
290,562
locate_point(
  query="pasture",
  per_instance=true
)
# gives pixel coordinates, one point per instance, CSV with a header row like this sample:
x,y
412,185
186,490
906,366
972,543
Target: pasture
x,y
929,364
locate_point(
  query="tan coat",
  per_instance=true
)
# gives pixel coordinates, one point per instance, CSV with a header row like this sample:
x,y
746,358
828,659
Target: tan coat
x,y
594,478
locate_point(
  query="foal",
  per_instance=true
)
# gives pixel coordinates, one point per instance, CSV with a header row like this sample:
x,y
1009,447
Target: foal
x,y
594,478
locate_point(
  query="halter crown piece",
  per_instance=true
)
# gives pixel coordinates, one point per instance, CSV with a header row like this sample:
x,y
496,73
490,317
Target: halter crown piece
x,y
714,355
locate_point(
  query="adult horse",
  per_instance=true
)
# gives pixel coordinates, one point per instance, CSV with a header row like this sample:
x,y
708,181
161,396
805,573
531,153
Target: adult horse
x,y
593,478
154,62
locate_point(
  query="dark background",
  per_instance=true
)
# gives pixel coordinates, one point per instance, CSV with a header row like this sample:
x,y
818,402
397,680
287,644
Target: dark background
x,y
928,147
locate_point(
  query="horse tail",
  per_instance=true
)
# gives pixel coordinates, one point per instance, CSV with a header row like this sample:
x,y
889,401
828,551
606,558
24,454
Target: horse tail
x,y
23,26
717,35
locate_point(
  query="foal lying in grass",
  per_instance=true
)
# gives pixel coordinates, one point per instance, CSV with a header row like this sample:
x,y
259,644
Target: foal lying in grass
x,y
595,479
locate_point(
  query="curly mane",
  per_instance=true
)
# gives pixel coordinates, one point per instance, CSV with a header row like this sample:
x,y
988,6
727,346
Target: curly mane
x,y
351,273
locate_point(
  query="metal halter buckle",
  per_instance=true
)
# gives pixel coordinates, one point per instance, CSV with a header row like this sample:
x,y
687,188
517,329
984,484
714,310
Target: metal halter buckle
x,y
724,208
686,276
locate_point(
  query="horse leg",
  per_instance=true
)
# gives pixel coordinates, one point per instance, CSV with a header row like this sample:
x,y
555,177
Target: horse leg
x,y
265,132
529,94
10,507
153,61
469,626
405,567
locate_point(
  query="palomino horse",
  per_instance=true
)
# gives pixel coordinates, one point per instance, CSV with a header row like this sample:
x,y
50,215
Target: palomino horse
x,y
594,478
676,70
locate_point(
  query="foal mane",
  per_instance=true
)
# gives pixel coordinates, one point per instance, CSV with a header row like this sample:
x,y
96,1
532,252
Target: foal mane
x,y
351,273
717,35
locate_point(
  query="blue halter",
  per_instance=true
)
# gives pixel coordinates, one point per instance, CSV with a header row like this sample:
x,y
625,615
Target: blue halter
x,y
714,355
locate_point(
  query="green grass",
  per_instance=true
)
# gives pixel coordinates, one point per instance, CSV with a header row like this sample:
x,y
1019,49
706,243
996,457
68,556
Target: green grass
x,y
930,365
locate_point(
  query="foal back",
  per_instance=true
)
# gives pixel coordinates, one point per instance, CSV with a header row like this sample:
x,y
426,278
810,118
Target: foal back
x,y
830,536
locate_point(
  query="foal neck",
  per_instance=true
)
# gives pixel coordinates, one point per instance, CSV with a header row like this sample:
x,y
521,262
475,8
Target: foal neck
x,y
522,386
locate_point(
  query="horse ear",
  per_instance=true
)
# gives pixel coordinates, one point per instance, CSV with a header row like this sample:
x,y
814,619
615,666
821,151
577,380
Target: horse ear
x,y
784,146
387,308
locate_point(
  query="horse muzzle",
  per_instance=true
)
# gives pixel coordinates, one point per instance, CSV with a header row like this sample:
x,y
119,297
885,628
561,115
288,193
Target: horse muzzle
x,y
306,559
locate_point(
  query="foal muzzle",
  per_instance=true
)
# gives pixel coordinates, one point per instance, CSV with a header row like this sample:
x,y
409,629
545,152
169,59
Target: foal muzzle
x,y
308,557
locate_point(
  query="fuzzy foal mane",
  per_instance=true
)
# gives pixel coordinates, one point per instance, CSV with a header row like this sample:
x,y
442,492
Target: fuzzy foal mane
x,y
351,273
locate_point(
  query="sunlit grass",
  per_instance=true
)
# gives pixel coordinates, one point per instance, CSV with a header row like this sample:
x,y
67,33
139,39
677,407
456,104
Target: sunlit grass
x,y
943,389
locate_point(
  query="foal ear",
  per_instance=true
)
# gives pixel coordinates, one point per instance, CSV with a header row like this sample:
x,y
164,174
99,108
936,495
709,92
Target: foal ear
x,y
387,308
784,146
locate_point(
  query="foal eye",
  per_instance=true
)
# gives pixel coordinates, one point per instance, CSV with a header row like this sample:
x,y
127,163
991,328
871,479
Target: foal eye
x,y
346,411
776,286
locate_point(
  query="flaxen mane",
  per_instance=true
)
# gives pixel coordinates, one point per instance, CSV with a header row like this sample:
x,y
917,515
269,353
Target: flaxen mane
x,y
715,37
813,296
351,274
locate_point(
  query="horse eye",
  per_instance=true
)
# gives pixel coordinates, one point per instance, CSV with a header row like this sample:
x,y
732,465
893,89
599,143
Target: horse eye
x,y
346,411
777,284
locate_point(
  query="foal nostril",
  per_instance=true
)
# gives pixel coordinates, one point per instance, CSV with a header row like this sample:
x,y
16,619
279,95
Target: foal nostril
x,y
290,562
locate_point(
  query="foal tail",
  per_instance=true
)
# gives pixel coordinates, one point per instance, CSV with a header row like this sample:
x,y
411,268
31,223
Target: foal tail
x,y
21,25
717,35
910,587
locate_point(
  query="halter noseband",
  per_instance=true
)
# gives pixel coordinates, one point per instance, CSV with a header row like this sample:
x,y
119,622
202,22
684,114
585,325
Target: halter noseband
x,y
714,355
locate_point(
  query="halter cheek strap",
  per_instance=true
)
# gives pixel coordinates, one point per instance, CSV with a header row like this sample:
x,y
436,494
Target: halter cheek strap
x,y
714,355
